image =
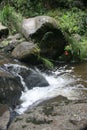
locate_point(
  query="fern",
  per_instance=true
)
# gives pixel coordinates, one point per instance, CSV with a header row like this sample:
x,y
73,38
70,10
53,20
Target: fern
x,y
47,63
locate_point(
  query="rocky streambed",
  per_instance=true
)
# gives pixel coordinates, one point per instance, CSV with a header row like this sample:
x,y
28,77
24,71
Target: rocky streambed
x,y
55,114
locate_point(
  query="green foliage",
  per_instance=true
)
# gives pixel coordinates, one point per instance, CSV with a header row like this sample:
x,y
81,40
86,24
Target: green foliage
x,y
73,21
10,18
27,7
83,48
47,63
4,14
73,24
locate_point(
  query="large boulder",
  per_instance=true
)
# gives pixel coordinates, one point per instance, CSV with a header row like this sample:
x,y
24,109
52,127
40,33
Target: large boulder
x,y
53,114
25,50
44,31
10,88
3,31
31,26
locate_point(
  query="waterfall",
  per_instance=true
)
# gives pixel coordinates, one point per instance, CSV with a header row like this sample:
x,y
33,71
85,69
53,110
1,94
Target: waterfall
x,y
61,82
15,69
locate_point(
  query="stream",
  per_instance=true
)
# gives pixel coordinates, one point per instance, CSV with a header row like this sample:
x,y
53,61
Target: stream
x,y
67,80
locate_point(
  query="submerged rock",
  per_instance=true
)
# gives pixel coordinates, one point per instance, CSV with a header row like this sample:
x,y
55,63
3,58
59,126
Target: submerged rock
x,y
10,88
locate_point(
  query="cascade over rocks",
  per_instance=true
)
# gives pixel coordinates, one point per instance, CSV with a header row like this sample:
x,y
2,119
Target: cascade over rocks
x,y
10,88
33,79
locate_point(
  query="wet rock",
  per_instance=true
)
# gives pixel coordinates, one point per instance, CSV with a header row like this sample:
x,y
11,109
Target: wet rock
x,y
62,116
10,88
25,50
4,116
11,42
33,78
3,31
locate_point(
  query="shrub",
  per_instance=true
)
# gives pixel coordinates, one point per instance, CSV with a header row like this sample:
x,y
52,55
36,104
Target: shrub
x,y
10,18
73,24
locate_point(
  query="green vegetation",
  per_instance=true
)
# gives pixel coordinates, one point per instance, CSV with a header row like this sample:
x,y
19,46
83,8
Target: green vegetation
x,y
37,121
73,23
9,17
47,63
70,15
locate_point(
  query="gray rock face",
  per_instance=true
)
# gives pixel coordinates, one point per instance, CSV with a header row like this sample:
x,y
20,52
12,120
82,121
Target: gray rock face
x,y
10,89
3,31
24,50
54,114
32,25
4,116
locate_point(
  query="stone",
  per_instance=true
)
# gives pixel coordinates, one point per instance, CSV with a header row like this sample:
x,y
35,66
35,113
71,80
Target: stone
x,y
58,119
25,50
33,79
12,41
3,31
4,116
10,88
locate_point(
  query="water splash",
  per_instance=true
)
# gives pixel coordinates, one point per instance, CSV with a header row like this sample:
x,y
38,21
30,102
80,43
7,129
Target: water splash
x,y
15,69
61,82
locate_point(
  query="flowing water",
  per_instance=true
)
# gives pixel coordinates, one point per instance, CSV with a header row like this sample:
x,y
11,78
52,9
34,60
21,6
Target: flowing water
x,y
66,80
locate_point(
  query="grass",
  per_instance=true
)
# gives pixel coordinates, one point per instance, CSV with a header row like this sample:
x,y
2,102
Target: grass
x,y
10,18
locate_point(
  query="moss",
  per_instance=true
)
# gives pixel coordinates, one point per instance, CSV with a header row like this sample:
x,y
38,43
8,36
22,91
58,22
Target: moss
x,y
18,119
4,43
48,110
38,121
24,126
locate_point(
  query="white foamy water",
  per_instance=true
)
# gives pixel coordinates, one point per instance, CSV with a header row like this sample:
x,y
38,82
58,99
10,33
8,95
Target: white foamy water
x,y
58,85
61,82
